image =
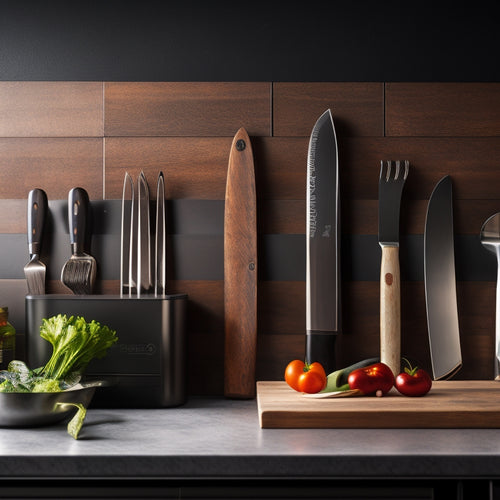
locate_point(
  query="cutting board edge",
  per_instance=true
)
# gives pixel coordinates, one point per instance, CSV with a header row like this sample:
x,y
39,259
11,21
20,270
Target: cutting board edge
x,y
273,418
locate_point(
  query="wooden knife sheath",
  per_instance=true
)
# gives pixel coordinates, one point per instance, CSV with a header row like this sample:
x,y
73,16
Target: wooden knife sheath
x,y
240,271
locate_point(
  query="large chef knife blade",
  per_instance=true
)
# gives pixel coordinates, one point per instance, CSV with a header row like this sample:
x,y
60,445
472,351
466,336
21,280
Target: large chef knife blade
x,y
440,283
322,245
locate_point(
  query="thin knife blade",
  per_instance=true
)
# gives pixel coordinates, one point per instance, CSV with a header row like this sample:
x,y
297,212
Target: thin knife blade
x,y
322,244
160,283
143,237
440,283
127,282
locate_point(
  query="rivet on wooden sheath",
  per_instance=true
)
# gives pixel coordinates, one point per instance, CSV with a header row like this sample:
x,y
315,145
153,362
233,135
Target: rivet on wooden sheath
x,y
240,145
251,266
388,279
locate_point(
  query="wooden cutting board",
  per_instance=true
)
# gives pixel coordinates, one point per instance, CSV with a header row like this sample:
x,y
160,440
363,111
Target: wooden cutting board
x,y
449,404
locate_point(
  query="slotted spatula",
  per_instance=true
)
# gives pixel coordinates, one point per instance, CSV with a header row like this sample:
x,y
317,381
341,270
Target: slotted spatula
x,y
392,178
78,274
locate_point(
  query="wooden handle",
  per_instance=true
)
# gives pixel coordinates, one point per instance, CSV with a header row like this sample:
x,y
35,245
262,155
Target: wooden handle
x,y
390,309
240,271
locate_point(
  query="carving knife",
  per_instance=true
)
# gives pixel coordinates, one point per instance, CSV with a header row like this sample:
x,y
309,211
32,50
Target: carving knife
x,y
440,283
143,237
240,271
322,245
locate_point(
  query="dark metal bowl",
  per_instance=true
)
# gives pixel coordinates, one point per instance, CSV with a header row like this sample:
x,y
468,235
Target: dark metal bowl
x,y
34,409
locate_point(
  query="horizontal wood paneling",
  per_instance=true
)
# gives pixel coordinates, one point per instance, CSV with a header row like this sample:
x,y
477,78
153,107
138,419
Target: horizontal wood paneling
x,y
361,216
193,167
186,130
53,164
51,109
187,108
357,108
196,167
471,162
289,216
442,109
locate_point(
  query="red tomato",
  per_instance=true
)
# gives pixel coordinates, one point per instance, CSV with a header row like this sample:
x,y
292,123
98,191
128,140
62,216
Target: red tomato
x,y
372,379
413,382
304,377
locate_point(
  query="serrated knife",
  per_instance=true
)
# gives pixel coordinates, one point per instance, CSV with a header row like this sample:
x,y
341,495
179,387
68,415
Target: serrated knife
x,y
440,283
322,244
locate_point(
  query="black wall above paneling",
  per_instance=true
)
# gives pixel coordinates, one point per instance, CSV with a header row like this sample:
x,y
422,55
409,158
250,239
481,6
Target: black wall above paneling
x,y
189,40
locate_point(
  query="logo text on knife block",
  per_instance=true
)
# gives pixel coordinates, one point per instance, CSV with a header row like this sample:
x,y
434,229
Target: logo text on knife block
x,y
388,279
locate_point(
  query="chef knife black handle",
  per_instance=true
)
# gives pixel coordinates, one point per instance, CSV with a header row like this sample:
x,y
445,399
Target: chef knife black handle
x,y
320,348
78,211
37,211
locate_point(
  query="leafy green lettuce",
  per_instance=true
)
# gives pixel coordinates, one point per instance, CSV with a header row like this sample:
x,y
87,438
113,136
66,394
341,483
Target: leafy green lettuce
x,y
74,344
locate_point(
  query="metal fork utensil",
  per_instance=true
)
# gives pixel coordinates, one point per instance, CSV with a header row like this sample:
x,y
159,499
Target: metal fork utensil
x,y
393,175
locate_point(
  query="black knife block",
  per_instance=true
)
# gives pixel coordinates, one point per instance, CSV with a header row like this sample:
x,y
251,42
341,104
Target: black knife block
x,y
145,368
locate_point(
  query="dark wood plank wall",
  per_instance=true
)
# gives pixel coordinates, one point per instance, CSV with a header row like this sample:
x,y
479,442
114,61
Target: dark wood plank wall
x,y
56,135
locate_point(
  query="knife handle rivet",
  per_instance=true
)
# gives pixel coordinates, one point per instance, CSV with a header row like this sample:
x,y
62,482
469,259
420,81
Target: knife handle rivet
x,y
389,278
251,266
240,145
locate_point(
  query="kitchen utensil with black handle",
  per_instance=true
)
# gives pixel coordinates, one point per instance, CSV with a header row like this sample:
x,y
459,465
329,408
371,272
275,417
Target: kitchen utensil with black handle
x,y
79,272
35,270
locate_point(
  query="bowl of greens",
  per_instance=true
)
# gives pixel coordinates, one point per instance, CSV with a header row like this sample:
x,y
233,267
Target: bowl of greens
x,y
50,393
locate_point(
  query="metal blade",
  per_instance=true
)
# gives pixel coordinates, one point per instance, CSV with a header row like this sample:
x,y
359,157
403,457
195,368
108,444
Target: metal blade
x,y
161,240
127,282
440,283
322,244
143,238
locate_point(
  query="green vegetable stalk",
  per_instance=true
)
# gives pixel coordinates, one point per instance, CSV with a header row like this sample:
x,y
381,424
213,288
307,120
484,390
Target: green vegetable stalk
x,y
75,343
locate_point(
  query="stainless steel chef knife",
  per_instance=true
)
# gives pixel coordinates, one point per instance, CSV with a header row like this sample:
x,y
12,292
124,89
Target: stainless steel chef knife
x,y
127,281
322,245
440,283
143,237
160,279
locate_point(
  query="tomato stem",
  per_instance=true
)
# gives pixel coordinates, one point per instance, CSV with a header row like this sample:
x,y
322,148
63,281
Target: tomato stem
x,y
410,370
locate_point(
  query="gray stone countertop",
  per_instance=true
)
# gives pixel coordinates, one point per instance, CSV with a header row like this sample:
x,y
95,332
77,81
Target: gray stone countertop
x,y
218,438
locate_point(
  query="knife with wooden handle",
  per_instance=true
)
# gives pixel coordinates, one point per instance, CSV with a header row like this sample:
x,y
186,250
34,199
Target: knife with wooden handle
x,y
240,271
